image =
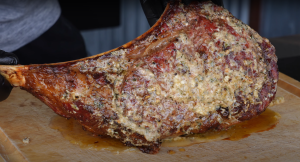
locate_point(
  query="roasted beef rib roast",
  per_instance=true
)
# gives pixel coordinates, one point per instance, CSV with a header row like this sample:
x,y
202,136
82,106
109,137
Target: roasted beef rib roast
x,y
197,68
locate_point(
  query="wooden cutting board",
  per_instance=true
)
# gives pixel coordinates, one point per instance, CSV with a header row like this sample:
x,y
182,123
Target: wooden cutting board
x,y
22,115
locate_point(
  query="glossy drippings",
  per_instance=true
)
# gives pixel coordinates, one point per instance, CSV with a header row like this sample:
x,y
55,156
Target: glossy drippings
x,y
72,131
264,122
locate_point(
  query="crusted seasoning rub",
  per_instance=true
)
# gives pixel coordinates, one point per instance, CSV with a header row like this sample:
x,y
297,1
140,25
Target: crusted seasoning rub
x,y
197,68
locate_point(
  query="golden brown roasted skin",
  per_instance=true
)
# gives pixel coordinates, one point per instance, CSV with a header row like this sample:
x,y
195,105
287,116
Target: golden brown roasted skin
x,y
197,68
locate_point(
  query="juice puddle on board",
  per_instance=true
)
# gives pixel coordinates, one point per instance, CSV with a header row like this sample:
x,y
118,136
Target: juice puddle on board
x,y
72,131
264,122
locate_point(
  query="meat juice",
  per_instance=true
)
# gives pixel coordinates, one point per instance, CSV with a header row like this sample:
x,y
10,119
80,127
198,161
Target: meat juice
x,y
71,130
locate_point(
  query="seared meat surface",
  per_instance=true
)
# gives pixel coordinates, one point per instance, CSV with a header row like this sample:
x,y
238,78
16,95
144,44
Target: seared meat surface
x,y
197,68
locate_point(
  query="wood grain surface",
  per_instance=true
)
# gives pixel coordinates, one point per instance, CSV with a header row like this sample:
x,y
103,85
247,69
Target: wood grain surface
x,y
22,115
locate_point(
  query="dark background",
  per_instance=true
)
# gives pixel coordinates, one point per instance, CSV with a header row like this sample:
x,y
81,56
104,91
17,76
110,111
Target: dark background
x,y
92,14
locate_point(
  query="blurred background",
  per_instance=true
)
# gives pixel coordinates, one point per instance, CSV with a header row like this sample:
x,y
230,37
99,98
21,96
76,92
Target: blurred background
x,y
110,24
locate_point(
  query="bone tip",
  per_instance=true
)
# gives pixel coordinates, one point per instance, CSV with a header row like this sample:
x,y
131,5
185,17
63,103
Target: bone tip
x,y
12,73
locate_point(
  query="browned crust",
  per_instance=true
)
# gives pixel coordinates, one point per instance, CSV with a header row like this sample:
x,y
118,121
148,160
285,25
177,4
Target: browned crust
x,y
244,112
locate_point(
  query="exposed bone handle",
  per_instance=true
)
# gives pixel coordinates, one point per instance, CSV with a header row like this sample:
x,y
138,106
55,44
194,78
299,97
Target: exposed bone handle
x,y
13,73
